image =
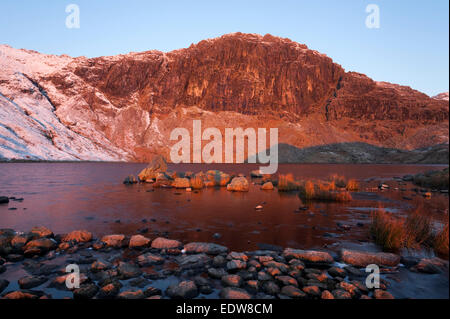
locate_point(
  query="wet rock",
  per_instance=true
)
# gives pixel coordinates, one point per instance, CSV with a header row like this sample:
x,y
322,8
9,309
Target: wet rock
x,y
313,291
129,180
219,261
272,271
263,276
3,284
382,294
310,257
232,280
139,242
409,261
60,281
109,291
4,200
29,282
87,291
39,246
2,261
337,272
129,294
149,259
193,261
351,289
217,273
183,290
363,259
267,186
234,293
270,288
286,281
238,256
78,236
127,270
41,232
205,248
326,295
354,272
114,241
236,265
341,294
100,265
252,286
429,266
164,243
14,295
158,165
293,292
238,184
181,183
152,291
18,242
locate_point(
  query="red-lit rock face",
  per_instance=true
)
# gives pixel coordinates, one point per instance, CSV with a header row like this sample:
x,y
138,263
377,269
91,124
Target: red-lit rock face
x,y
133,101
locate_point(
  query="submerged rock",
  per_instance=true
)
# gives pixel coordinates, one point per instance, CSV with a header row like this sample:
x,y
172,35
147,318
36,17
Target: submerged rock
x,y
205,248
234,293
363,259
183,290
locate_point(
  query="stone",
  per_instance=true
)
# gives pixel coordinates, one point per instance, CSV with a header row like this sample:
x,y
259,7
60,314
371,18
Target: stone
x,y
149,259
158,165
39,246
78,236
271,288
183,290
20,295
14,258
41,232
429,266
4,200
29,282
293,292
363,259
109,291
232,280
337,272
263,276
234,293
139,242
114,241
205,248
287,281
267,186
152,291
382,294
127,270
164,243
312,291
235,265
18,242
100,265
238,184
129,180
341,294
87,291
326,295
310,257
129,294
181,183
217,273
193,261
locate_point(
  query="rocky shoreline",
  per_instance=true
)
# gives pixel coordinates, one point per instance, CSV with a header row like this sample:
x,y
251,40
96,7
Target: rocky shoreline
x,y
33,266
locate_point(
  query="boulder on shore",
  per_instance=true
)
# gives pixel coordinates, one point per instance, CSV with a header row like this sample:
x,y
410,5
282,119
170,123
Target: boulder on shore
x,y
181,183
205,248
238,184
78,236
363,259
308,256
158,165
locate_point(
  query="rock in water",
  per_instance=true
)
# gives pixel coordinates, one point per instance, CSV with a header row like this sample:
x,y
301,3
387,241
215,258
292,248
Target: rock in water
x,y
130,180
158,165
363,259
4,200
238,184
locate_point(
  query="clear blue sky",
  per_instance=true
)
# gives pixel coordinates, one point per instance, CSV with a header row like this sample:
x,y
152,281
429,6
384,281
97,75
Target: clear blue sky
x,y
410,48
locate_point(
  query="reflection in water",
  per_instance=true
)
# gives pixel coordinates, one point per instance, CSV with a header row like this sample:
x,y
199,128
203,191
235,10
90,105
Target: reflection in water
x,y
68,196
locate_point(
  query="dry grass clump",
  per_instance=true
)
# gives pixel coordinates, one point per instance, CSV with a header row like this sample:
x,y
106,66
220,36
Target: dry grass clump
x,y
338,180
286,183
440,243
323,191
413,232
433,179
387,231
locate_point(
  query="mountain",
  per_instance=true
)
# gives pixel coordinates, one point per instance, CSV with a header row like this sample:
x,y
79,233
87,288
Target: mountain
x,y
124,107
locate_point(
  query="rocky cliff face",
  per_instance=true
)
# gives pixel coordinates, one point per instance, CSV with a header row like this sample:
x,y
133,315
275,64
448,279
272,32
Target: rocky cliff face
x,y
124,107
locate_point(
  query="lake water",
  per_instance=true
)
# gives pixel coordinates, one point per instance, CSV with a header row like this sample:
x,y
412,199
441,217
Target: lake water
x,y
91,196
